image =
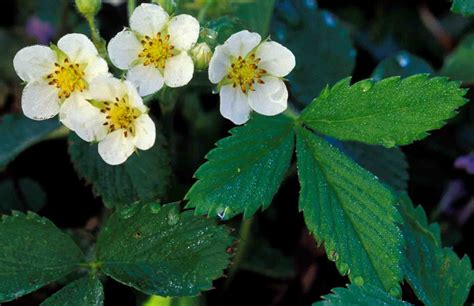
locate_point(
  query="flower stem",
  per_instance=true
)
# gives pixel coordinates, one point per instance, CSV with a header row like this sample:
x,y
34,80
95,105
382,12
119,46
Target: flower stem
x,y
203,11
131,7
245,238
98,41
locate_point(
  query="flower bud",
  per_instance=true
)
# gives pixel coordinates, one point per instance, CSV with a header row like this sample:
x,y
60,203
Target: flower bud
x,y
201,54
88,7
168,5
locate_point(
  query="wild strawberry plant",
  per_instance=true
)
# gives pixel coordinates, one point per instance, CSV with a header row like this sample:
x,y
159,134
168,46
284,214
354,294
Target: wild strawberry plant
x,y
298,113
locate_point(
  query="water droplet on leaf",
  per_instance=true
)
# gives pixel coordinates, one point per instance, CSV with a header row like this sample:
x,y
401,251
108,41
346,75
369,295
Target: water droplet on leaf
x,y
128,212
358,280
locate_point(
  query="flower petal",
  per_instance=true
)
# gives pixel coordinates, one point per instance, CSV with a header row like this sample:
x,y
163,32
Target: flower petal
x,y
83,118
269,99
276,59
184,31
133,96
145,132
107,89
147,79
124,49
241,43
40,101
148,19
219,65
96,67
179,70
78,47
234,105
116,148
34,62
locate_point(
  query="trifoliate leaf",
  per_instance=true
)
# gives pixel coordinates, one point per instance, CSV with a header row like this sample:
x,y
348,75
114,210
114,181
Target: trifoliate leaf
x,y
160,251
86,291
459,65
389,165
349,210
321,44
24,195
33,253
245,170
436,274
17,133
402,64
463,7
360,295
144,177
256,15
389,112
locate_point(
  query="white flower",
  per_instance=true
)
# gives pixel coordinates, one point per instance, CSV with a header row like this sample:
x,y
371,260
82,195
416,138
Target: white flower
x,y
249,73
58,75
116,117
155,49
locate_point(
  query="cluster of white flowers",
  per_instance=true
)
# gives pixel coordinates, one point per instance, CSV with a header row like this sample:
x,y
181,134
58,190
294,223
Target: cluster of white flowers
x,y
72,80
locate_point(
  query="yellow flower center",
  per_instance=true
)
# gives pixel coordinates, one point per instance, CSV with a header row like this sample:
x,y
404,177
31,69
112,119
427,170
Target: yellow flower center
x,y
68,78
244,72
156,50
120,115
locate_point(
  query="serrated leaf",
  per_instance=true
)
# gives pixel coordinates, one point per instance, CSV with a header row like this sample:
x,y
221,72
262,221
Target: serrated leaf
x,y
25,195
256,15
459,65
17,133
33,253
436,274
360,295
463,7
161,251
402,64
389,165
389,112
245,170
86,291
144,177
349,210
321,44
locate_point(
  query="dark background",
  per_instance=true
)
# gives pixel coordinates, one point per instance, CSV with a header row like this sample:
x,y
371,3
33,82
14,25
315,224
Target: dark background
x,y
305,273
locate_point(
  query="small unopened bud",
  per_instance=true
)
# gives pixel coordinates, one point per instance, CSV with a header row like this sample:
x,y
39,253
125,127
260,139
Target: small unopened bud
x,y
168,5
88,7
201,54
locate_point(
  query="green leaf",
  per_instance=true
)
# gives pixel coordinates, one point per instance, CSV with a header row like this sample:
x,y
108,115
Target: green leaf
x,y
24,195
463,7
436,274
256,15
389,165
156,300
33,253
322,46
389,112
18,132
245,170
349,210
356,295
144,177
402,64
86,291
160,251
459,65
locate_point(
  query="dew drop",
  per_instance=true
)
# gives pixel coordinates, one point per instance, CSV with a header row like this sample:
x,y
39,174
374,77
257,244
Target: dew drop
x,y
333,255
155,208
222,213
403,60
128,212
396,292
343,268
173,217
359,281
329,19
388,142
